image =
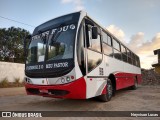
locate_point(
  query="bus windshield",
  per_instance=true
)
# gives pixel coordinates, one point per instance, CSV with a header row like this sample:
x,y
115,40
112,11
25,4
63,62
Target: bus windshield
x,y
58,45
51,50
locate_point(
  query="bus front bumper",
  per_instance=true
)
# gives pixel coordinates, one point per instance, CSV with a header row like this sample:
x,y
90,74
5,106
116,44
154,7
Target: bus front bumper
x,y
73,90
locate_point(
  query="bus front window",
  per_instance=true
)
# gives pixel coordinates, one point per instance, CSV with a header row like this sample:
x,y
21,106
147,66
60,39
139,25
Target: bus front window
x,y
51,50
36,51
60,46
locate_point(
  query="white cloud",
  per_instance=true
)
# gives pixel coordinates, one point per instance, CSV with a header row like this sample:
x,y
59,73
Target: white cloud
x,y
66,1
78,4
145,49
136,41
117,32
150,46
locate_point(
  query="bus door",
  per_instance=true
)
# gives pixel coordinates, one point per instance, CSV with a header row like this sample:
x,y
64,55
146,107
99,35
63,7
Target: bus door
x,y
94,66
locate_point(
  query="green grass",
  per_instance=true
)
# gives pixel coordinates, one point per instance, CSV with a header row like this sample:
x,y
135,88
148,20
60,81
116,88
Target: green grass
x,y
6,84
17,82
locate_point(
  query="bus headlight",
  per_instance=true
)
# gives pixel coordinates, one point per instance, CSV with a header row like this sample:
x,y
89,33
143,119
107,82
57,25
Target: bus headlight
x,y
68,79
62,80
65,79
28,80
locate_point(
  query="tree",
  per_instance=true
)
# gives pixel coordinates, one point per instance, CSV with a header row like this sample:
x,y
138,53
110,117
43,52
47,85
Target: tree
x,y
11,44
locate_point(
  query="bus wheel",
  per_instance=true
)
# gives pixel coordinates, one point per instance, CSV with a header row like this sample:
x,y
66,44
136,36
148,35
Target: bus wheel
x,y
107,97
135,86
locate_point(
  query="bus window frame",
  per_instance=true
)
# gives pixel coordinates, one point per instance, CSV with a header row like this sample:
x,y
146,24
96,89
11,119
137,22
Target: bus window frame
x,y
108,36
87,40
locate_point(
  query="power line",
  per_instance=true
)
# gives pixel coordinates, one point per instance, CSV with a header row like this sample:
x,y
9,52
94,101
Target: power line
x,y
16,21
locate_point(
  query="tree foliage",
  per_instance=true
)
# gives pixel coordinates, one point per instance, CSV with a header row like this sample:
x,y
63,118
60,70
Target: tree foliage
x,y
11,44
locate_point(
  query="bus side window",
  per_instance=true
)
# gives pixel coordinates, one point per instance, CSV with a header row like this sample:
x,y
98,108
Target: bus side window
x,y
94,59
129,56
134,60
117,53
105,37
107,49
138,62
124,53
95,44
116,45
94,52
109,41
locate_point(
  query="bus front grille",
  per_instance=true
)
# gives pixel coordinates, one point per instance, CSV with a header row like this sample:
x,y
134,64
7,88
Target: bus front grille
x,y
58,92
33,91
50,92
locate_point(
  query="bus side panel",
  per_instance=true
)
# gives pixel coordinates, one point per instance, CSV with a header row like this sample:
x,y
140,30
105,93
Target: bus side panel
x,y
95,82
121,81
127,80
130,79
95,87
125,73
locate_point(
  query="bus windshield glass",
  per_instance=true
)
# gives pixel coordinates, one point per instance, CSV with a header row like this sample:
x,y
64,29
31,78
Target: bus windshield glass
x,y
60,44
51,50
53,40
36,51
52,45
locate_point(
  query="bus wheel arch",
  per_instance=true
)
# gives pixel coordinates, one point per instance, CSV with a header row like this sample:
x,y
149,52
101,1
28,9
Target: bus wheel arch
x,y
107,97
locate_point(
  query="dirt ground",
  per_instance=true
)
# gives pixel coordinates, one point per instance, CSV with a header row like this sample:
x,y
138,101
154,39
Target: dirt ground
x,y
145,98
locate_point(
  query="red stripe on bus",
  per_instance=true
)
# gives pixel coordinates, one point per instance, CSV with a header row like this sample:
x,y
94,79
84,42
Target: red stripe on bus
x,y
124,80
76,89
104,90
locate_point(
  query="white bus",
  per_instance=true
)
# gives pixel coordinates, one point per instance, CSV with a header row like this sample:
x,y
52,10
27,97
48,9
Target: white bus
x,y
72,56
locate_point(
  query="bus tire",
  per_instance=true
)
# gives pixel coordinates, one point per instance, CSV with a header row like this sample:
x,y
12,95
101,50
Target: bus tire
x,y
107,97
135,86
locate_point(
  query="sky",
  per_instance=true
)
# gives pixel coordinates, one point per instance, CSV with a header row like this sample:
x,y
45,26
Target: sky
x,y
135,22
